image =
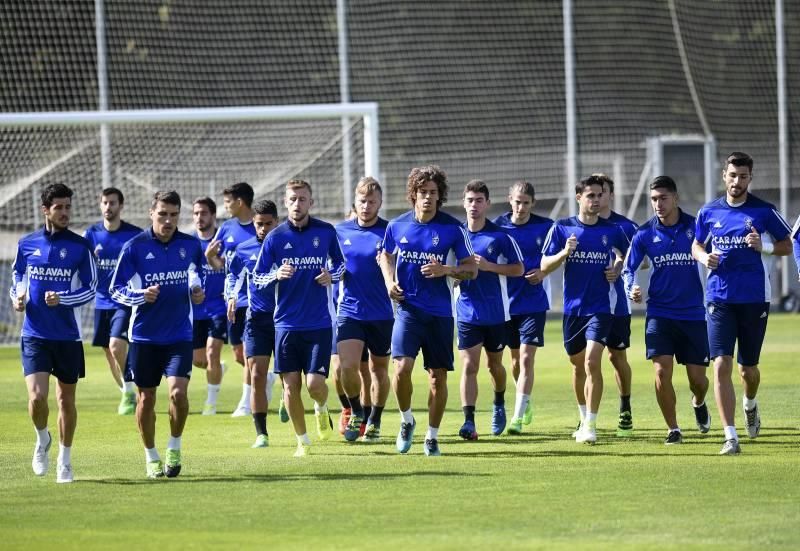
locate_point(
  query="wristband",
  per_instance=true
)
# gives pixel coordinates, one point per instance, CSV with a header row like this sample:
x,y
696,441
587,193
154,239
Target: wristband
x,y
767,248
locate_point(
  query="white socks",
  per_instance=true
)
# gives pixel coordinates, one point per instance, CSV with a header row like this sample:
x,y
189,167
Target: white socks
x,y
748,403
406,416
213,392
591,418
319,408
432,434
303,439
730,433
174,443
521,404
245,400
42,437
128,386
582,411
64,454
151,454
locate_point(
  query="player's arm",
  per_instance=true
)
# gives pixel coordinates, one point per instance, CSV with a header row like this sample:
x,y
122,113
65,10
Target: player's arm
x,y
466,268
633,260
87,273
781,233
197,284
797,253
388,264
554,252
19,283
709,260
514,267
335,265
235,276
266,271
213,252
121,289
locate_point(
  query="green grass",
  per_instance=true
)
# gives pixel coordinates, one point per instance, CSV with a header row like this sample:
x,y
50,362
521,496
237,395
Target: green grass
x,y
538,490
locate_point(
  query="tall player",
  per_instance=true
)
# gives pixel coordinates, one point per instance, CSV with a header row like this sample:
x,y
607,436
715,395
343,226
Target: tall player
x,y
418,261
210,323
303,256
54,274
619,340
676,323
238,200
111,320
365,317
158,277
743,233
529,297
482,308
259,327
592,251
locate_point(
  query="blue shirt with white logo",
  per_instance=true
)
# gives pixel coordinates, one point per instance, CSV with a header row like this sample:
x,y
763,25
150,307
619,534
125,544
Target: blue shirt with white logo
x,y
62,262
240,267
231,233
106,246
362,295
301,304
676,288
214,304
743,273
175,267
484,300
415,244
586,291
629,228
526,298
796,245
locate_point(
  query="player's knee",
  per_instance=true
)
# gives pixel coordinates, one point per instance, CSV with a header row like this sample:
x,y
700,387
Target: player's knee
x,y
178,396
37,398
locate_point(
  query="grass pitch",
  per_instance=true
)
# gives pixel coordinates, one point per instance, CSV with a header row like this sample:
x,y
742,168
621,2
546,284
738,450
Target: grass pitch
x,y
539,490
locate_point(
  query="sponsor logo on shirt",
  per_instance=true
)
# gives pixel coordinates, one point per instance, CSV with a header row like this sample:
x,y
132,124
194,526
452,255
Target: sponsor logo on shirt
x,y
172,277
673,259
49,273
420,257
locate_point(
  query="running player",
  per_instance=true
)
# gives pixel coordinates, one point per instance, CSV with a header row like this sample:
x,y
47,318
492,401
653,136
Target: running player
x,y
482,308
303,256
111,320
418,263
796,237
238,200
210,320
743,233
365,316
529,297
591,250
676,324
259,327
157,276
54,273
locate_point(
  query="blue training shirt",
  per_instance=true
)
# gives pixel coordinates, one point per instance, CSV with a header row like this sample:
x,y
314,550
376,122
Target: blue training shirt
x,y
214,305
629,228
526,298
415,244
796,244
240,267
484,300
174,266
301,304
362,296
107,246
231,233
743,273
586,291
62,262
676,287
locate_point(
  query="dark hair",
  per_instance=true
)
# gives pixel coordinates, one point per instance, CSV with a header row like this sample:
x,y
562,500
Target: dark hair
x,y
664,182
523,187
266,207
242,191
55,191
593,180
737,158
168,197
420,175
113,191
477,186
606,180
208,202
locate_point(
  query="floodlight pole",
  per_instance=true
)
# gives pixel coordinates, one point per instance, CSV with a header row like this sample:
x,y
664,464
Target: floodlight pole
x,y
102,90
572,133
783,131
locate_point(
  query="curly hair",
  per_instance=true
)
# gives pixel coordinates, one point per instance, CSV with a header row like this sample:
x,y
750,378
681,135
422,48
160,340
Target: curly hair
x,y
419,176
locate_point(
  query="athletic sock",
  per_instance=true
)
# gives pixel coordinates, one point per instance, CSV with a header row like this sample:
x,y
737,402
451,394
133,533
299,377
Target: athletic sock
x,y
344,400
213,392
303,439
432,434
151,454
730,433
245,399
42,437
582,411
748,403
407,416
375,416
500,398
591,418
625,403
320,408
469,413
64,454
174,443
355,406
695,405
521,404
260,421
128,386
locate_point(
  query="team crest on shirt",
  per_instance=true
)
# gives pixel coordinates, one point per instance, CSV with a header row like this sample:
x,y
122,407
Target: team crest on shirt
x,y
315,242
490,249
604,239
182,252
690,233
435,239
539,241
62,253
710,308
748,223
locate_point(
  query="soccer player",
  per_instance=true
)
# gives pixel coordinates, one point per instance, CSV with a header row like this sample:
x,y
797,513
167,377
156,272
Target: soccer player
x,y
157,275
238,200
54,273
111,320
303,256
619,340
592,251
259,327
418,261
529,297
796,237
743,233
365,316
210,320
482,308
676,323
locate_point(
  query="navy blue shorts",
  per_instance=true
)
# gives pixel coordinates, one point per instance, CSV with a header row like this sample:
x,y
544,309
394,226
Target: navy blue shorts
x,y
579,329
236,328
729,322
619,338
492,337
259,334
687,340
63,359
306,351
109,323
150,362
415,329
216,328
376,335
526,329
